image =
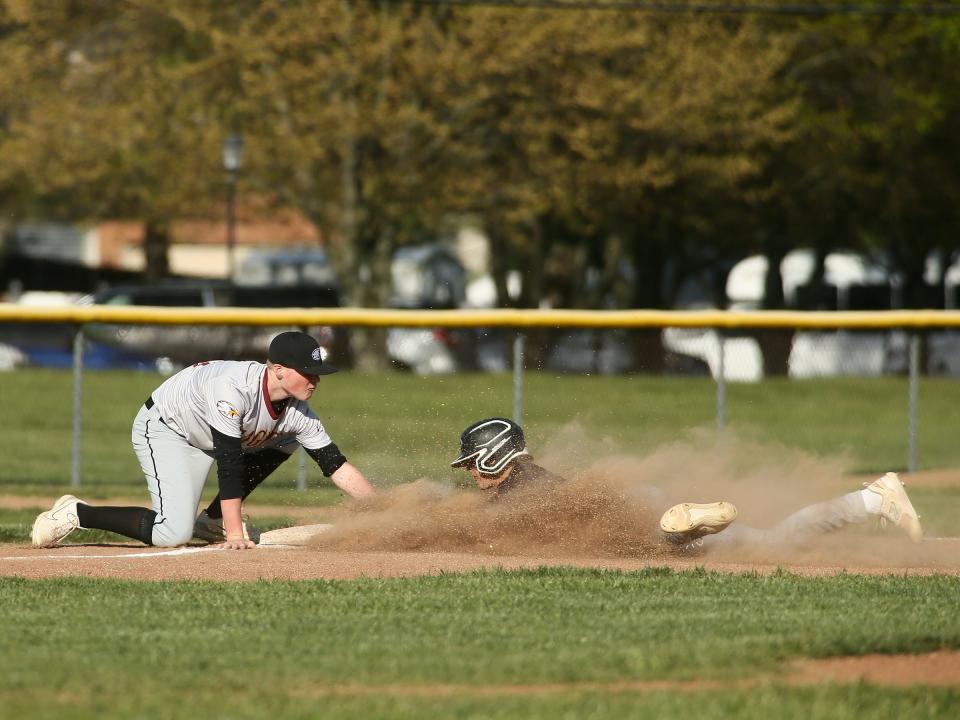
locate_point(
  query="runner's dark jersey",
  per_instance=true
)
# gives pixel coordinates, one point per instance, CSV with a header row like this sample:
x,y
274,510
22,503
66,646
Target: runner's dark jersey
x,y
526,473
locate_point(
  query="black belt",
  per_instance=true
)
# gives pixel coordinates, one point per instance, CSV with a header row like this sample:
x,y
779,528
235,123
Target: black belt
x,y
149,404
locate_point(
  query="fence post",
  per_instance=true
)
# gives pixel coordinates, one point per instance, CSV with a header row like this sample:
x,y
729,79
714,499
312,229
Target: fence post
x,y
914,401
721,381
301,469
302,455
77,406
518,339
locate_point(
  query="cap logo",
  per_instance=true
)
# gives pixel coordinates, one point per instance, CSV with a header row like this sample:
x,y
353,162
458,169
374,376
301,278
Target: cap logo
x,y
298,351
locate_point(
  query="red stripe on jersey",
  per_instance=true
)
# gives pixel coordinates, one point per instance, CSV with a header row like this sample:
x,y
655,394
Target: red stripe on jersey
x,y
266,398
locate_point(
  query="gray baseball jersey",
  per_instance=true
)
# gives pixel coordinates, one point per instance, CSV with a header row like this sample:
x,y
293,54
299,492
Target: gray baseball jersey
x,y
232,397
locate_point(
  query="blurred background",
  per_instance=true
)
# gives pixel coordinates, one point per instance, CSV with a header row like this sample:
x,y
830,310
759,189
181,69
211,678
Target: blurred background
x,y
432,154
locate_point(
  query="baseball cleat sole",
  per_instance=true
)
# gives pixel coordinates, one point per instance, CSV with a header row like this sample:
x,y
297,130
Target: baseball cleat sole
x,y
697,519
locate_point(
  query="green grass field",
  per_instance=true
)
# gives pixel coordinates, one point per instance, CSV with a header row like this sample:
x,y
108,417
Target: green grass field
x,y
399,427
527,644
477,645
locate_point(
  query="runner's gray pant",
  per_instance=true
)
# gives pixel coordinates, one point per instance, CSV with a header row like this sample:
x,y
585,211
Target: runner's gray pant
x,y
798,528
175,472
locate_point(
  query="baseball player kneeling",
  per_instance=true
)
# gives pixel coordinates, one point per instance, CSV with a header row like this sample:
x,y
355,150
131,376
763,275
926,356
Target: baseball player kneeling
x,y
249,417
495,453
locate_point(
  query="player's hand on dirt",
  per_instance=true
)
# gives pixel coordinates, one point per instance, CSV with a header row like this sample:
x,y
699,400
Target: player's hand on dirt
x,y
238,543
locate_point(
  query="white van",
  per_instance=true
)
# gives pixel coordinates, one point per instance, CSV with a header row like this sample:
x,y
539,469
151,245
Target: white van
x,y
851,282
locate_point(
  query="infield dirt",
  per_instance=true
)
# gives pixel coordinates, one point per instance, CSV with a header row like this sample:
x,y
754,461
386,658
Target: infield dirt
x,y
604,516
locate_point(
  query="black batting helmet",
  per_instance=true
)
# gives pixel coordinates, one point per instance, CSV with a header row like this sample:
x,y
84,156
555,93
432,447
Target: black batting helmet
x,y
491,445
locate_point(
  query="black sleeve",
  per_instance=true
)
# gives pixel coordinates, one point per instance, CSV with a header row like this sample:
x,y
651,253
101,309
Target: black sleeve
x,y
229,455
329,458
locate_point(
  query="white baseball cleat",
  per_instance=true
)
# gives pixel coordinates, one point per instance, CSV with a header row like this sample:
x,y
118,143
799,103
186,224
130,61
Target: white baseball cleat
x,y
694,520
895,506
54,525
211,529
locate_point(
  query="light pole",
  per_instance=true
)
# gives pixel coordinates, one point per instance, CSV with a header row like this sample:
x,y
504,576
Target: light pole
x,y
232,160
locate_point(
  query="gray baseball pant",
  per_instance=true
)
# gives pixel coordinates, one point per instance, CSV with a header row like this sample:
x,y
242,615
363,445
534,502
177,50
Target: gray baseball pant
x,y
175,472
798,528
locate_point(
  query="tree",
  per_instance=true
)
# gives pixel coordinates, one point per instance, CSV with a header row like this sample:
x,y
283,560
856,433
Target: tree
x,y
336,116
112,126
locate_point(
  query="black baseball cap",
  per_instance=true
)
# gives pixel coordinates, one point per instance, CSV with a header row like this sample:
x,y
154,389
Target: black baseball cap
x,y
299,351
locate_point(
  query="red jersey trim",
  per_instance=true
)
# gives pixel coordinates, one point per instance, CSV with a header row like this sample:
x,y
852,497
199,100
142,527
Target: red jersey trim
x,y
266,398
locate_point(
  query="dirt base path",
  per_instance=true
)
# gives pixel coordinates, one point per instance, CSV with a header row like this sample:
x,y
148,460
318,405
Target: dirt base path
x,y
200,562
936,669
382,551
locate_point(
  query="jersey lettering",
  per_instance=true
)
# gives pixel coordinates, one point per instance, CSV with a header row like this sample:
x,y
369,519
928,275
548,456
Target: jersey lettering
x,y
261,437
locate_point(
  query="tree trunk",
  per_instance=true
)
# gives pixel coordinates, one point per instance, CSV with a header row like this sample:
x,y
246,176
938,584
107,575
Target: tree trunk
x,y
156,249
819,295
774,344
369,344
360,256
539,341
498,264
648,293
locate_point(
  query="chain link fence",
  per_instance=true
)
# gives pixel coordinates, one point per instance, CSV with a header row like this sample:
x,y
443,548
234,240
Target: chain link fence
x,y
729,348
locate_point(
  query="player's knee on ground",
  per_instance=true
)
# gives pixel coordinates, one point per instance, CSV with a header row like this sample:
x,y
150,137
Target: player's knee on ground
x,y
170,532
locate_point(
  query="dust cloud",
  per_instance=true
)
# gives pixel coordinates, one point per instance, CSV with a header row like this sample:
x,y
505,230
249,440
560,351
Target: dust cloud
x,y
611,503
585,516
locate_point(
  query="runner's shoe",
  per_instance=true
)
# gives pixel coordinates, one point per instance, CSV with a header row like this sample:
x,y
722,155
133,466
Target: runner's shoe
x,y
694,520
54,525
895,506
211,529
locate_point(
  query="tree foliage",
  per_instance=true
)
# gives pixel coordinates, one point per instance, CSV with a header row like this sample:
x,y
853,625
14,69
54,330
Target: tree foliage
x,y
607,154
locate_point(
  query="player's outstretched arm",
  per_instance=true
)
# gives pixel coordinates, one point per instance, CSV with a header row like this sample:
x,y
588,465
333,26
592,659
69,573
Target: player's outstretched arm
x,y
233,526
352,481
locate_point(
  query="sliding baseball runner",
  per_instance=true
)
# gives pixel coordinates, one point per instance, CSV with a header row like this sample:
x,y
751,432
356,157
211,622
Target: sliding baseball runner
x,y
494,451
248,417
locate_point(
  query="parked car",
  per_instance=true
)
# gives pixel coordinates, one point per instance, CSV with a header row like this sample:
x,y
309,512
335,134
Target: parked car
x,y
429,276
187,344
851,282
296,266
425,351
590,350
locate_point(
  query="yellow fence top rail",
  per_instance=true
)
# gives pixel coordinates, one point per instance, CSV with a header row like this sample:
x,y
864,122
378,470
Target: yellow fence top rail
x,y
143,315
